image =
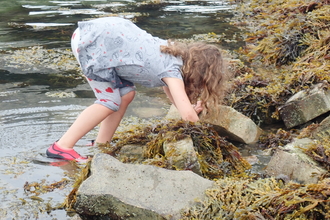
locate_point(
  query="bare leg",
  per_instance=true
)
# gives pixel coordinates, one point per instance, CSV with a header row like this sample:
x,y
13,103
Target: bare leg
x,y
85,122
109,124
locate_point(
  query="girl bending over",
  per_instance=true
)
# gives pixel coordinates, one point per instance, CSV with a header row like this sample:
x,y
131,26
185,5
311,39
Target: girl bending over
x,y
114,54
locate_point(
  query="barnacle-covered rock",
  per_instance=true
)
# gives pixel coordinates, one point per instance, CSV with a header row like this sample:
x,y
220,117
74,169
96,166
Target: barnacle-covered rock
x,y
293,162
320,131
234,125
182,155
60,94
305,105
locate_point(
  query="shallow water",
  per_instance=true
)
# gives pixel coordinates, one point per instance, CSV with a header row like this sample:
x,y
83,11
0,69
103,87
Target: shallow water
x,y
22,23
30,120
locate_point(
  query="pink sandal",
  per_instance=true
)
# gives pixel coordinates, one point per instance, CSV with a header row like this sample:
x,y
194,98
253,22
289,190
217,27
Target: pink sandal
x,y
54,151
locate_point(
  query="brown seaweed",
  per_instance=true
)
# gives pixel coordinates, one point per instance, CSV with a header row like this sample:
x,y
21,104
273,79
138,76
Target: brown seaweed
x,y
287,46
217,156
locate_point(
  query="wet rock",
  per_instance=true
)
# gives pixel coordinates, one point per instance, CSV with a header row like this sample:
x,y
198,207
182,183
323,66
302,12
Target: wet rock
x,y
75,217
38,26
147,112
253,159
39,60
291,161
82,91
305,106
235,125
323,129
132,152
60,94
173,113
125,191
230,123
182,155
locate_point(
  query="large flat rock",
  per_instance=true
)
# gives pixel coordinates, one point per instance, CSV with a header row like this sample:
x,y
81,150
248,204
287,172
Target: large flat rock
x,y
125,191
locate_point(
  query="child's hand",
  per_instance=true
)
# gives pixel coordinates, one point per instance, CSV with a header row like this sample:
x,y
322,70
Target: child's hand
x,y
198,107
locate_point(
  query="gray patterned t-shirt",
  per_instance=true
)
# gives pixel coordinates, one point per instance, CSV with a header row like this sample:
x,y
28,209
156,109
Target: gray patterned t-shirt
x,y
116,50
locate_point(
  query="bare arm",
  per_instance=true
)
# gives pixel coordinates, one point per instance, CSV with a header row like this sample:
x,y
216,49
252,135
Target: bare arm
x,y
168,93
177,94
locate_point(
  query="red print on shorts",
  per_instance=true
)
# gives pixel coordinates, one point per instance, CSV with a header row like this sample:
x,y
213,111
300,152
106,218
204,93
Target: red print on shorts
x,y
98,91
109,90
106,100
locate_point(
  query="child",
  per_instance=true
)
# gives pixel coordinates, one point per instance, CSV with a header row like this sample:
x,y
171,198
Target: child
x,y
114,54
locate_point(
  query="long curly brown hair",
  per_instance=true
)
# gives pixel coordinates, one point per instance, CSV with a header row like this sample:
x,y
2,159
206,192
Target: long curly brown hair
x,y
204,71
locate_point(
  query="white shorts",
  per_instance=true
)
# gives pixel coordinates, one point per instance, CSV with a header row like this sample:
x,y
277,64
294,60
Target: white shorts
x,y
105,92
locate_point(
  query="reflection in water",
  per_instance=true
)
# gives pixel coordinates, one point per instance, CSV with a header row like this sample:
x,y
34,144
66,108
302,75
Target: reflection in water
x,y
169,19
29,122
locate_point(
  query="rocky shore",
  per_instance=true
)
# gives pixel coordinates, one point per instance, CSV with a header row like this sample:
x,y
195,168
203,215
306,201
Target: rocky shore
x,y
286,81
169,169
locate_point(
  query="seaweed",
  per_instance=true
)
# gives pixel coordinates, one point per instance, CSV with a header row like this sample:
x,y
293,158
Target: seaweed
x,y
41,187
251,198
287,50
70,200
320,152
216,156
274,140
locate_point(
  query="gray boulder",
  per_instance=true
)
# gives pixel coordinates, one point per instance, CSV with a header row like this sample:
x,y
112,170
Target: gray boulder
x,y
294,164
125,191
305,106
182,155
229,123
322,131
